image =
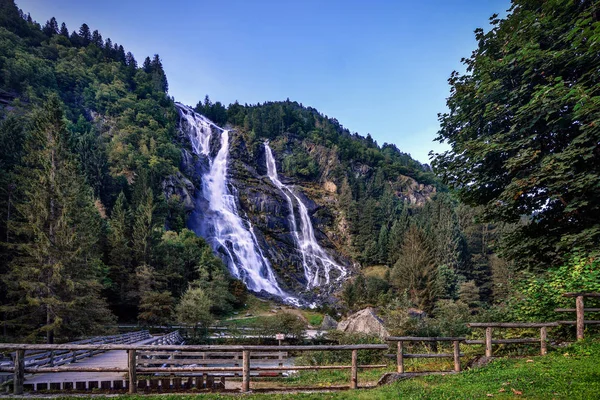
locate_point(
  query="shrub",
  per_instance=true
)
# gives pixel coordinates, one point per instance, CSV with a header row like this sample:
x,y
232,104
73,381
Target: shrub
x,y
537,296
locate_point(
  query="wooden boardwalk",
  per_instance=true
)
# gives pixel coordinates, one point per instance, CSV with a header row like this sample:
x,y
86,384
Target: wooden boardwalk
x,y
114,359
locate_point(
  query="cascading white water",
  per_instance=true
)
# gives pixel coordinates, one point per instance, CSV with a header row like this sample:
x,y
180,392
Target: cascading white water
x,y
221,224
316,262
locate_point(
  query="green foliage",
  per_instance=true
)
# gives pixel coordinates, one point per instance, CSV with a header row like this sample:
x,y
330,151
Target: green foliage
x,y
194,309
343,357
569,374
287,323
57,268
523,129
156,308
301,164
536,297
415,271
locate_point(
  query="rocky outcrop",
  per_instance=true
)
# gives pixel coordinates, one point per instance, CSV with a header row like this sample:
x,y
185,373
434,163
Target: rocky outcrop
x,y
328,323
365,322
181,186
265,209
413,192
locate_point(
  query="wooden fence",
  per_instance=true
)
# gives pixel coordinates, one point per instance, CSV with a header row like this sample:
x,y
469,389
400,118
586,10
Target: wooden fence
x,y
162,356
55,358
489,326
580,310
19,369
400,355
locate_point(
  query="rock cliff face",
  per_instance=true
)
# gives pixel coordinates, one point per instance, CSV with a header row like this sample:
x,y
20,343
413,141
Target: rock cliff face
x,y
264,206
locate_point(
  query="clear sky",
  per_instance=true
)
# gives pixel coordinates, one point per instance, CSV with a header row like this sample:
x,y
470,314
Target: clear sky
x,y
379,67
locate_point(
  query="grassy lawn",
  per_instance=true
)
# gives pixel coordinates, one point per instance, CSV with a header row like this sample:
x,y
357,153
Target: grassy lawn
x,y
314,318
569,373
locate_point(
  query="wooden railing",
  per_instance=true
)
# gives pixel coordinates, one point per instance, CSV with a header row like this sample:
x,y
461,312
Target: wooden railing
x,y
19,369
168,339
60,357
185,359
400,355
489,326
580,311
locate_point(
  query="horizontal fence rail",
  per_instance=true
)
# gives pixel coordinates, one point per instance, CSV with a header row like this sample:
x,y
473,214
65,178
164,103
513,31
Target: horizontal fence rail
x,y
400,355
54,358
580,311
488,326
166,355
133,364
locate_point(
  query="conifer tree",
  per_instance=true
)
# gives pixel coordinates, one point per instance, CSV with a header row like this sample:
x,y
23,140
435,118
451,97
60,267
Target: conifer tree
x,y
108,48
75,39
64,31
85,34
97,39
415,270
56,273
143,227
147,66
396,236
119,253
51,27
159,78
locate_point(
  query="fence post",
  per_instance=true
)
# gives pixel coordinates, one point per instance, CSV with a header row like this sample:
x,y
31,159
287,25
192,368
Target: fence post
x,y
543,336
19,376
400,357
488,341
354,370
245,371
579,309
132,373
456,355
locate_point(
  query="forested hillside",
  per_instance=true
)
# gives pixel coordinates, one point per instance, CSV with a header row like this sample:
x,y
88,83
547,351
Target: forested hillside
x,y
378,205
88,138
98,183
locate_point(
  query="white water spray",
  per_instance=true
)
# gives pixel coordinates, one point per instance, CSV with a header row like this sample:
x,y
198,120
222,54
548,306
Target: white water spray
x,y
220,223
316,262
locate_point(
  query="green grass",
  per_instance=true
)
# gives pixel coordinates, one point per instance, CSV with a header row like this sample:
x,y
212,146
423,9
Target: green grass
x,y
314,318
377,271
569,373
240,322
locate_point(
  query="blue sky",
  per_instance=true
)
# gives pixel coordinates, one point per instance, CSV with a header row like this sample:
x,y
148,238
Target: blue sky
x,y
379,67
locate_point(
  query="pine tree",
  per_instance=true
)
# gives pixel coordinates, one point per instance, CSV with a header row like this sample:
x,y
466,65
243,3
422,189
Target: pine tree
x,y
119,254
108,48
147,66
118,234
143,227
97,39
159,78
51,27
415,270
85,34
382,244
396,236
55,276
130,60
64,31
75,39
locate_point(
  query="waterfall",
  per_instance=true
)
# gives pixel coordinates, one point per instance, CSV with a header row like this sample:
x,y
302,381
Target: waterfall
x,y
316,262
216,217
